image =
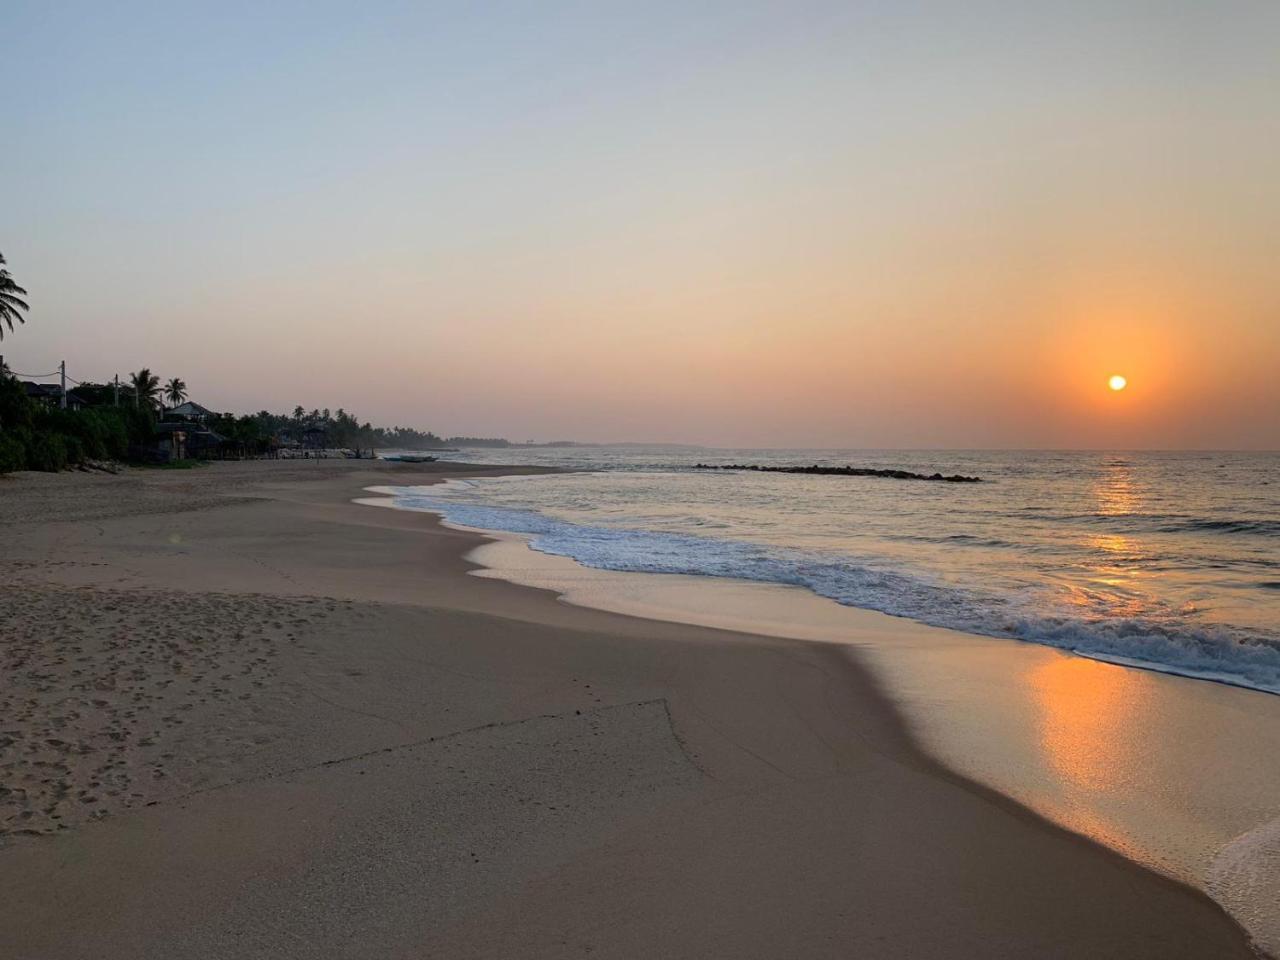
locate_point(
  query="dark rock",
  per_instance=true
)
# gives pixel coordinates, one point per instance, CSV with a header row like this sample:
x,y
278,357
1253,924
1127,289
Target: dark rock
x,y
817,470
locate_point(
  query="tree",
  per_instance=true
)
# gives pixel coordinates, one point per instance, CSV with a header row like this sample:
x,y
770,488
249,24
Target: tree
x,y
175,391
146,386
10,300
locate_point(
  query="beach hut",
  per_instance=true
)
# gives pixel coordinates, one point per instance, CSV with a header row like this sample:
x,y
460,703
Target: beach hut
x,y
205,444
168,443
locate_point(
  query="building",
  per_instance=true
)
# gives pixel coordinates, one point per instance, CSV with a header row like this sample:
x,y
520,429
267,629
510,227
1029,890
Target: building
x,y
190,411
50,395
206,444
168,443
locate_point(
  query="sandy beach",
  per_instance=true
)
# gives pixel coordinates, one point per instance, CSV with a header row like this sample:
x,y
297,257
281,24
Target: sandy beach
x,y
245,716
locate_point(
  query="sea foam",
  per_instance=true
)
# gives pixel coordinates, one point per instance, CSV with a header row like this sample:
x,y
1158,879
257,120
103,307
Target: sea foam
x,y
1170,643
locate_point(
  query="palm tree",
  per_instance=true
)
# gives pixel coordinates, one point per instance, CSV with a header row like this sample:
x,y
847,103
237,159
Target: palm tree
x,y
10,301
146,385
175,391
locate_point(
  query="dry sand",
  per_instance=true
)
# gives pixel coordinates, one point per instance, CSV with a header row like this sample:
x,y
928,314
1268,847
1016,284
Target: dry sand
x,y
245,717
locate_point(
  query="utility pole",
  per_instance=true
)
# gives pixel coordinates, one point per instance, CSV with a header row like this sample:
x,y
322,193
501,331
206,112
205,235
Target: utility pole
x,y
117,393
62,368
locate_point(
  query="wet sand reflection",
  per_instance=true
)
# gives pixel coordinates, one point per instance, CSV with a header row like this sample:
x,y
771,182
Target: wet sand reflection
x,y
1086,715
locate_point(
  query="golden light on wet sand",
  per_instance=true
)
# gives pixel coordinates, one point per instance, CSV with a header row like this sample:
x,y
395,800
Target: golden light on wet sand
x,y
1117,382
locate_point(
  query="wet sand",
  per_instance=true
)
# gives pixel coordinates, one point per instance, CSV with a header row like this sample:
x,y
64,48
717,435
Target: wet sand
x,y
246,717
1178,774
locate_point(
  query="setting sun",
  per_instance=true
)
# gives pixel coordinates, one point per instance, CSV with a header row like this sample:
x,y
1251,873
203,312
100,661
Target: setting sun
x,y
1117,382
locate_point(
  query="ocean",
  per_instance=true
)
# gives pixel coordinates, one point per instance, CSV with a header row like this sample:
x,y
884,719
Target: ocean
x,y
1167,561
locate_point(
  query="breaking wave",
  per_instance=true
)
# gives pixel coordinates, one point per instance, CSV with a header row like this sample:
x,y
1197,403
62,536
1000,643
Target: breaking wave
x,y
1169,641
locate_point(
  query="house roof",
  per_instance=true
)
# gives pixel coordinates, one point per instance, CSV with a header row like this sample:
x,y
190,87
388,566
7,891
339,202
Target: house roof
x,y
51,391
191,409
196,434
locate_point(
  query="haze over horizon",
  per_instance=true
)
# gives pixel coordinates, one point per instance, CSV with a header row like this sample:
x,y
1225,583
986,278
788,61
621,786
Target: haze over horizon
x,y
748,224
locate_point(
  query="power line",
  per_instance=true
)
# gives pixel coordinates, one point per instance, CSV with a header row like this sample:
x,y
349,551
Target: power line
x,y
42,376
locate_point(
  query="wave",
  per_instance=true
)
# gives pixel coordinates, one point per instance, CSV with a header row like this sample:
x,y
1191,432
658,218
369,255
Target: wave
x,y
1175,523
1269,528
1169,643
1154,522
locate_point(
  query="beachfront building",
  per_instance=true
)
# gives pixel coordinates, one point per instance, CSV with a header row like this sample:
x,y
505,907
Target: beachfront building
x,y
205,444
168,443
191,412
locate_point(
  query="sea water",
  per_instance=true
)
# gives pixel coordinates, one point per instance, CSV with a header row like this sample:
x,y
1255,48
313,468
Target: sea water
x,y
1168,561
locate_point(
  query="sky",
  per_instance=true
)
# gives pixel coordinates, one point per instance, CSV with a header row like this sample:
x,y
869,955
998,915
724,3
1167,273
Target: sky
x,y
877,224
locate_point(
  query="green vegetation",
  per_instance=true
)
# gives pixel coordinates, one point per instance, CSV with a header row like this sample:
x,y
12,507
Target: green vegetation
x,y
340,429
175,391
146,388
35,437
119,423
11,302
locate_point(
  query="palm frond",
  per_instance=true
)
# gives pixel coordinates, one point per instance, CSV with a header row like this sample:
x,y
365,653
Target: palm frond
x,y
7,317
10,300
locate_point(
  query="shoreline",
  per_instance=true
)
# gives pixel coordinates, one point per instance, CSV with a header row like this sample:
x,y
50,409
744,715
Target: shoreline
x,y
1080,740
763,743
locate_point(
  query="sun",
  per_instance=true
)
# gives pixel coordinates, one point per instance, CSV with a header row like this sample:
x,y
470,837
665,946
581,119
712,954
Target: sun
x,y
1117,382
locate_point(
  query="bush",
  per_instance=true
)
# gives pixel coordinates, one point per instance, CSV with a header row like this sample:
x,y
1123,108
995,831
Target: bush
x,y
48,452
115,437
13,451
15,408
80,431
74,449
139,423
34,437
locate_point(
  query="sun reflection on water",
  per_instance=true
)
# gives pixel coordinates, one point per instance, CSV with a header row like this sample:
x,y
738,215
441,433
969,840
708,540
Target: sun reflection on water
x,y
1117,493
1112,585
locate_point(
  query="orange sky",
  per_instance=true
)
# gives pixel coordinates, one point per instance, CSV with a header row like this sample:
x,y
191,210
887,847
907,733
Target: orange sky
x,y
757,224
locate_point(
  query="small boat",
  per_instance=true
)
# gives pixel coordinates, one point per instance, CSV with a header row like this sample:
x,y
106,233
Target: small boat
x,y
410,458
